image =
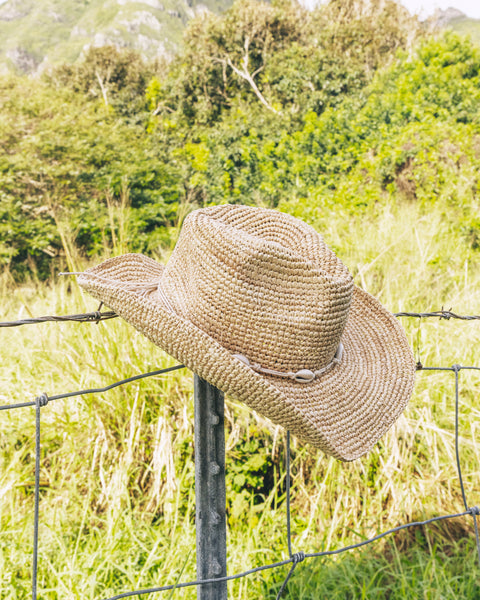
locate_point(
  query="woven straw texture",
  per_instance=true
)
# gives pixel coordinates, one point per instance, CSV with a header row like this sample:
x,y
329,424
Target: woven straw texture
x,y
263,284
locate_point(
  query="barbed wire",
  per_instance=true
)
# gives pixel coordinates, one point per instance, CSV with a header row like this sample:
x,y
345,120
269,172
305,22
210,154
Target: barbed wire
x,y
97,316
441,314
92,317
295,558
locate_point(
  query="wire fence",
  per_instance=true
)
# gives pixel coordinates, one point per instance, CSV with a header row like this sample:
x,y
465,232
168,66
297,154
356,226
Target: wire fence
x,y
42,401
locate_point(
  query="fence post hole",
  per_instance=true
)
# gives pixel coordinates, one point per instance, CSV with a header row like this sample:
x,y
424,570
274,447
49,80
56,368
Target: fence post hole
x,y
211,527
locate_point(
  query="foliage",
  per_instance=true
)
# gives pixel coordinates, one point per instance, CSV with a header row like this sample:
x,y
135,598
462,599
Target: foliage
x,y
413,134
251,478
223,56
267,104
117,508
117,77
285,57
62,161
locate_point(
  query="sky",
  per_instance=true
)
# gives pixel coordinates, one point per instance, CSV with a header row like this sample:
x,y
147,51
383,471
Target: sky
x,y
425,7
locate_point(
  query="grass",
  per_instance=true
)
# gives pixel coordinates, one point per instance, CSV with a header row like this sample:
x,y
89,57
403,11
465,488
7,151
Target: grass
x,y
117,473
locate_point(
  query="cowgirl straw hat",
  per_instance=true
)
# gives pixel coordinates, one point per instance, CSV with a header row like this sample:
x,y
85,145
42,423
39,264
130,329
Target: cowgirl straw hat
x,y
255,303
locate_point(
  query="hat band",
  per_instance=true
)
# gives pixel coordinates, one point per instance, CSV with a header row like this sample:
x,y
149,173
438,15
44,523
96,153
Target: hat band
x,y
302,376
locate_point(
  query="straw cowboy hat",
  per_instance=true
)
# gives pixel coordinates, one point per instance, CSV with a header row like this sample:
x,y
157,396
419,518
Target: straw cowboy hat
x,y
254,302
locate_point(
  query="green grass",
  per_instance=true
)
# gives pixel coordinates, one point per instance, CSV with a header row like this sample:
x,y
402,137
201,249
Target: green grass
x,y
117,472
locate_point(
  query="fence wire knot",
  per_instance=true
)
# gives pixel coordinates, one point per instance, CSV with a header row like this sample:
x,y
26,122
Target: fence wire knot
x,y
42,400
457,368
474,510
295,558
299,557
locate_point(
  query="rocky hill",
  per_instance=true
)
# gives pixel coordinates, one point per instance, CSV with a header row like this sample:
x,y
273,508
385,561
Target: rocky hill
x,y
467,26
452,18
37,33
443,18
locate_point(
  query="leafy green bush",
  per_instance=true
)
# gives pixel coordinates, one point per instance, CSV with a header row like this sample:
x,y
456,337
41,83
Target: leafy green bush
x,y
413,134
63,160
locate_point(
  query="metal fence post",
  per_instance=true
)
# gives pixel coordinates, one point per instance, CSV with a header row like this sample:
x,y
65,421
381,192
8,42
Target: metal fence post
x,y
211,527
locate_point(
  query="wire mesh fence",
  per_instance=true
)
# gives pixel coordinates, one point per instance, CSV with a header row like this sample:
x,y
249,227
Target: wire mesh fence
x,y
42,401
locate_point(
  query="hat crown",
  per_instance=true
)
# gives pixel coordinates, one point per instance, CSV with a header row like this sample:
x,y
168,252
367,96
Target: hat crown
x,y
261,283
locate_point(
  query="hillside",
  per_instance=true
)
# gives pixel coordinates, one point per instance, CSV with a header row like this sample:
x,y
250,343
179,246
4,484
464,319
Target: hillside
x,y
466,26
35,33
457,21
38,33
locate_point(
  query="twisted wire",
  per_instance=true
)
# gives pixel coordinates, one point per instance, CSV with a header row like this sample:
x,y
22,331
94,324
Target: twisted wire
x,y
97,316
92,317
441,314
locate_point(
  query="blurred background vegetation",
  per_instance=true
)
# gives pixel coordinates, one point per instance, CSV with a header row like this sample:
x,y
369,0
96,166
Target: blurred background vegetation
x,y
267,103
355,117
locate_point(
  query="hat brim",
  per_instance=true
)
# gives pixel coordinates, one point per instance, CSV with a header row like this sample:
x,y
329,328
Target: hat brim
x,y
344,412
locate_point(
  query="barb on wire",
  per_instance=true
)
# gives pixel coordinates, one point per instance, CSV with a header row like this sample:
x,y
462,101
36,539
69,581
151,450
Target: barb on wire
x,y
93,317
97,316
441,314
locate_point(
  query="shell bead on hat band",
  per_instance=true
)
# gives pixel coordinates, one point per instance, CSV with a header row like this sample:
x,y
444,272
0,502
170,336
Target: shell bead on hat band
x,y
302,376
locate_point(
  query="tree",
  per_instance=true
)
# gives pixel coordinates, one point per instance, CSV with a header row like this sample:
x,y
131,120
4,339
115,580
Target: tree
x,y
68,160
282,56
224,57
116,77
367,31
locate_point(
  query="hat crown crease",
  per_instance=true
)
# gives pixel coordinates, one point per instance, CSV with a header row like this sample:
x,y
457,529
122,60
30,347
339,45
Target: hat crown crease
x,y
265,287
